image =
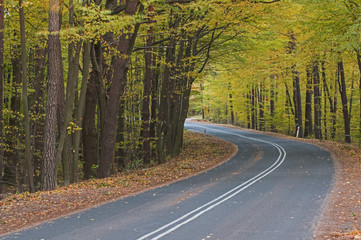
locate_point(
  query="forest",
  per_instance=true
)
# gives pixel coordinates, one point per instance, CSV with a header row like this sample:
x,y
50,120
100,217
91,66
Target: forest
x,y
92,87
297,72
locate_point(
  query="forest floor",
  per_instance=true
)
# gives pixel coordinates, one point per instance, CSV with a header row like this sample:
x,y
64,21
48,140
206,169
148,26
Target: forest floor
x,y
341,217
200,153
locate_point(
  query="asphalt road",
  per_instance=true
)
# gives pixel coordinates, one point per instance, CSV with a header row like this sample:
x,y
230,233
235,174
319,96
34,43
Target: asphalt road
x,y
271,189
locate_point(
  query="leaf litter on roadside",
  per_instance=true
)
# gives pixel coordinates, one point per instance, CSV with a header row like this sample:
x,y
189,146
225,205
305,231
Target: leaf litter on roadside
x,y
25,209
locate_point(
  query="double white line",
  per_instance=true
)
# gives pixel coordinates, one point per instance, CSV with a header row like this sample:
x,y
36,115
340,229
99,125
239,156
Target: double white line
x,y
172,226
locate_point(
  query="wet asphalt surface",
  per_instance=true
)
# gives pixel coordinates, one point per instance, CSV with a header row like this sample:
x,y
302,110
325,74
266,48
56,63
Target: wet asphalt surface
x,y
272,189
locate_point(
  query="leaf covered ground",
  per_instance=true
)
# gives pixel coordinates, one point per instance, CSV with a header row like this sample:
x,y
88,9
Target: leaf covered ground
x,y
342,214
201,152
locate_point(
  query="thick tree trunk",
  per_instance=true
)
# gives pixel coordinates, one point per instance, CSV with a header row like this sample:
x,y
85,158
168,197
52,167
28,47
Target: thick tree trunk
x,y
183,86
164,105
54,76
89,132
24,76
178,143
125,46
342,89
179,87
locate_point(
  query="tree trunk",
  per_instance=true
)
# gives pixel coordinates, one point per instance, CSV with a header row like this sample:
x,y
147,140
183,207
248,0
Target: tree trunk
x,y
38,111
179,87
342,89
261,107
230,103
334,110
202,89
359,66
125,46
24,74
308,107
289,109
298,102
1,90
249,100
154,116
325,98
164,105
272,102
81,108
317,101
89,131
351,100
54,77
73,60
11,135
253,108
146,94
184,88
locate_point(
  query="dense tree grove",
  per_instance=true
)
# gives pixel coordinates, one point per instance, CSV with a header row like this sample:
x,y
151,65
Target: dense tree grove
x,y
92,87
297,72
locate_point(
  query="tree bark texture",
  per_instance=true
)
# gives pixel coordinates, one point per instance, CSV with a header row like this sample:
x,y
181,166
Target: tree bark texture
x,y
343,92
120,67
54,77
89,131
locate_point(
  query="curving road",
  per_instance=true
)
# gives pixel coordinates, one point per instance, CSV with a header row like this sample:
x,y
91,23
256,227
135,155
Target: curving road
x,y
271,189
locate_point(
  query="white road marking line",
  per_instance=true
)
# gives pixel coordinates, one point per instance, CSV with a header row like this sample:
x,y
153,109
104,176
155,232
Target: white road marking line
x,y
226,196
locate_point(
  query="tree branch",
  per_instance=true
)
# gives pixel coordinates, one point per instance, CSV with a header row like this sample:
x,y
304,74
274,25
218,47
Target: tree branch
x,y
118,9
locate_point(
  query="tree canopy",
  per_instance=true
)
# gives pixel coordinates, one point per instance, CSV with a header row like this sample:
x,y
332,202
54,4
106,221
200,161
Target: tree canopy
x,y
92,87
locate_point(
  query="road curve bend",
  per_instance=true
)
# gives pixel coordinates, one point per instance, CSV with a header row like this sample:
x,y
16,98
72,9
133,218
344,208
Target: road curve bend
x,y
272,189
